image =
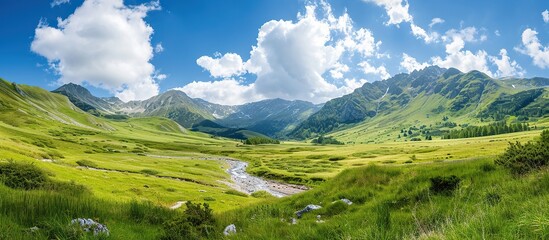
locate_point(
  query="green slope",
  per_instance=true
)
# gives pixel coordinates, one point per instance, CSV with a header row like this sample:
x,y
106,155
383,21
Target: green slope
x,y
379,111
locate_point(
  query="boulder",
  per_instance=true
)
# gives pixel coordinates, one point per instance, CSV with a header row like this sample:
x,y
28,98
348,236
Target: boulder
x,y
307,209
89,225
345,200
231,229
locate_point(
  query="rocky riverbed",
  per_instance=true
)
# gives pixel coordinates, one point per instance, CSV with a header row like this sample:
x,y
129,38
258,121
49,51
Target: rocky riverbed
x,y
244,182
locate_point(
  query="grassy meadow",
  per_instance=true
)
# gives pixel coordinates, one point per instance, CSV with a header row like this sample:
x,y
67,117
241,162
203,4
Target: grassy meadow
x,y
127,173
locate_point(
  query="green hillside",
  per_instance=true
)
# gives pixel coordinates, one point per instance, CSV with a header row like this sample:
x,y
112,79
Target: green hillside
x,y
431,100
127,173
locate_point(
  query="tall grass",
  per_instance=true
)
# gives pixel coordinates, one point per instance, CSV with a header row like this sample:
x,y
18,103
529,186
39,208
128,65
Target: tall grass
x,y
51,212
391,203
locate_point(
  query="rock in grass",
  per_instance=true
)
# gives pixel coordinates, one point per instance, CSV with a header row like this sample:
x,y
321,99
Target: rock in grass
x,y
89,225
307,209
345,200
231,229
318,219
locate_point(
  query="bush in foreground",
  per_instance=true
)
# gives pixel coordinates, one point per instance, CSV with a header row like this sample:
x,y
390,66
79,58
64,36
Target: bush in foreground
x,y
197,223
521,159
22,176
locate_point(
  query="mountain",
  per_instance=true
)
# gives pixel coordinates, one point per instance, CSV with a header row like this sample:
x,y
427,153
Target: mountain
x,y
211,127
175,105
34,107
273,117
83,99
424,97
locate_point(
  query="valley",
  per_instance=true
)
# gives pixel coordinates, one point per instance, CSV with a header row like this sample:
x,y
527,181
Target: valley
x,y
141,169
274,120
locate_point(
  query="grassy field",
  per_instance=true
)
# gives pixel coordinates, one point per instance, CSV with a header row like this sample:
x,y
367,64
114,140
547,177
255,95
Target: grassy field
x,y
127,173
397,203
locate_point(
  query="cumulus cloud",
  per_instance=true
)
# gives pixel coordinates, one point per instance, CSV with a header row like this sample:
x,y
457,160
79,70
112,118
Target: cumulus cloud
x,y
226,91
410,63
397,10
532,47
103,43
464,60
59,2
435,21
506,66
380,71
294,60
420,33
545,15
227,65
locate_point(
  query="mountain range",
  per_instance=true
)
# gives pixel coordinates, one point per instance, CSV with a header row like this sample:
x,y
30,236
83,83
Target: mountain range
x,y
273,117
420,97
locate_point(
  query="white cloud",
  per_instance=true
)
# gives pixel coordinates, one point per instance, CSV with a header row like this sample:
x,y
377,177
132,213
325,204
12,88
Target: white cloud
x,y
338,70
532,47
294,60
435,21
380,71
227,65
497,33
545,15
158,48
105,44
464,60
410,64
59,2
226,92
365,43
398,13
396,9
160,76
420,33
506,67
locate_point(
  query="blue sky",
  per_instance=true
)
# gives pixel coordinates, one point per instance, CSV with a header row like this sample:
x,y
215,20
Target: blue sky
x,y
237,51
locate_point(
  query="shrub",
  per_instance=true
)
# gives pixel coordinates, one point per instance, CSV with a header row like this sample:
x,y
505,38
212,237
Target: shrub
x,y
196,223
444,185
22,176
521,159
86,163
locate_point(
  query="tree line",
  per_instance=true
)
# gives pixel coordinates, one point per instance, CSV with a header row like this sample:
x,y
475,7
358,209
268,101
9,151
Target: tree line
x,y
491,129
